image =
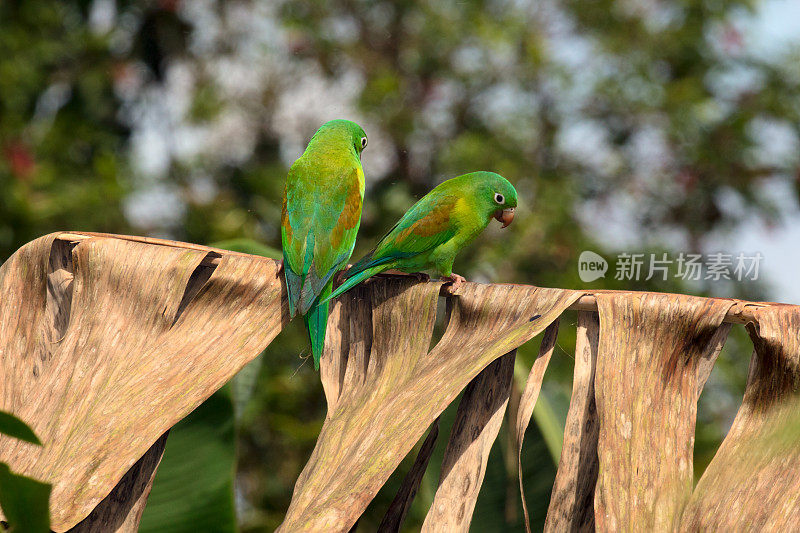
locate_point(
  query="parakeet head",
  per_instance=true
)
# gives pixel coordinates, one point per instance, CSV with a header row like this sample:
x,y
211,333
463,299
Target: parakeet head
x,y
495,195
341,131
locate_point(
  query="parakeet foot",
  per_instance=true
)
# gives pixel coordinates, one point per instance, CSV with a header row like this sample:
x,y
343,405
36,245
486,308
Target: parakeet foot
x,y
455,279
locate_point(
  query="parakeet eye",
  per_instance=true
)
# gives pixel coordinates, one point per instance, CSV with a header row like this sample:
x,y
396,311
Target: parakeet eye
x,y
363,142
499,198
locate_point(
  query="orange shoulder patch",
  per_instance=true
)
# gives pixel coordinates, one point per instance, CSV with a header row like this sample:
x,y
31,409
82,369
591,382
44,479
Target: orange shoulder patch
x,y
351,211
436,221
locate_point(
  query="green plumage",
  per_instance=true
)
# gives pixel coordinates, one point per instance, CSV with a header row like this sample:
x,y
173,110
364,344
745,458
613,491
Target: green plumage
x,y
436,228
319,221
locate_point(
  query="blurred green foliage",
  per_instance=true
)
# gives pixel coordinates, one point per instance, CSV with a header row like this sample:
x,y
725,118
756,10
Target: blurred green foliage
x,y
193,488
24,501
625,125
14,427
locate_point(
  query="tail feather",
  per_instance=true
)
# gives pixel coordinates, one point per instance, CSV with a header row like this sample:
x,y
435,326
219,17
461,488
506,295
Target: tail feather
x,y
317,323
293,286
355,280
313,288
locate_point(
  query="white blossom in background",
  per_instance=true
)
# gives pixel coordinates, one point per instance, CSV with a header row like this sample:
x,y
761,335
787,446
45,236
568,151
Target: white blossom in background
x,y
313,100
157,206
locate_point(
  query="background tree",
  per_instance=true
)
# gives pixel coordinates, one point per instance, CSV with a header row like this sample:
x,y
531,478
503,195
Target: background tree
x,y
626,125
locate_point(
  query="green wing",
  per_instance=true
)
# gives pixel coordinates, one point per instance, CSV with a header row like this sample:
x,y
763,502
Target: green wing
x,y
425,226
320,219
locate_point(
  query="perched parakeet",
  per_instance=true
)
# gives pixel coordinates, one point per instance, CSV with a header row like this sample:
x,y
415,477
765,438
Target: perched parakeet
x,y
319,221
437,227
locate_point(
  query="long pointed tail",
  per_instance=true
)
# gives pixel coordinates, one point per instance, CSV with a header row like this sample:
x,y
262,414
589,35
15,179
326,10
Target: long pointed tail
x,y
355,280
317,323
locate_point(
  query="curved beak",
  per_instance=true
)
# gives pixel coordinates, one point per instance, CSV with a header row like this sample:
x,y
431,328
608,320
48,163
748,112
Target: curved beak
x,y
506,216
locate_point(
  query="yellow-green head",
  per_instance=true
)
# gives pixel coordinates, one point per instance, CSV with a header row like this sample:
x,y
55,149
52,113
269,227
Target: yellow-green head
x,y
488,193
338,134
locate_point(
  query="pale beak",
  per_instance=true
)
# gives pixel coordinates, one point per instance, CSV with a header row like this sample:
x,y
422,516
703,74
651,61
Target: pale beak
x,y
506,216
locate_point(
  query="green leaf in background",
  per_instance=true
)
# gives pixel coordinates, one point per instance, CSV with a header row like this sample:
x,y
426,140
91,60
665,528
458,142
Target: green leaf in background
x,y
14,427
544,414
551,428
498,508
193,489
25,501
249,246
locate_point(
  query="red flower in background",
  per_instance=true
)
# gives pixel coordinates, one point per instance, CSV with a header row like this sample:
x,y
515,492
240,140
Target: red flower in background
x,y
687,178
169,5
732,40
20,159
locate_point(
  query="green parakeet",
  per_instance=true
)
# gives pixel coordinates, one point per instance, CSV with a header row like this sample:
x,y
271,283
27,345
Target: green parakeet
x,y
319,221
437,227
